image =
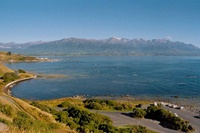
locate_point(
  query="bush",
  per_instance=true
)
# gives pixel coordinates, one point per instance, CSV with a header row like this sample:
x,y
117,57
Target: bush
x,y
119,107
21,71
98,104
5,121
94,105
151,112
9,76
24,122
6,109
65,104
139,113
139,129
168,119
82,120
44,107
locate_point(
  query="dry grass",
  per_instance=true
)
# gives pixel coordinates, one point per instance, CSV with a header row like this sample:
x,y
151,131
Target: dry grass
x,y
25,75
4,69
5,57
133,103
62,129
55,102
33,111
5,101
3,116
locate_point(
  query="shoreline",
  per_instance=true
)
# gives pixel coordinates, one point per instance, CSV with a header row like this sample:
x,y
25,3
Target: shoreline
x,y
7,88
189,104
186,103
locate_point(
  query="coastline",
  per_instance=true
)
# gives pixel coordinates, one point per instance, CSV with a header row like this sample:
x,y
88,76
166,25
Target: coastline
x,y
7,88
189,104
186,103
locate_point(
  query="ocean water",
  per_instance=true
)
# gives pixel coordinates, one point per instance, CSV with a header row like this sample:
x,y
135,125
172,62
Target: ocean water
x,y
146,76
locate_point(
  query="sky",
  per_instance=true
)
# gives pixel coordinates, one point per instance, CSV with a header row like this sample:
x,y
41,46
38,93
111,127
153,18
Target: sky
x,y
46,20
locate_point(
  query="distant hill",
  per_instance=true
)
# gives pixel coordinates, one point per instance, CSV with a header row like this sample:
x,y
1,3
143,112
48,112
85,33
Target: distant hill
x,y
10,57
110,46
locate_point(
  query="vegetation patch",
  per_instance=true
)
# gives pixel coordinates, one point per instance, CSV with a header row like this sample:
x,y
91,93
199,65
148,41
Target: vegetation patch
x,y
98,104
6,109
10,57
134,129
80,119
24,122
166,118
9,76
44,107
5,121
139,113
21,71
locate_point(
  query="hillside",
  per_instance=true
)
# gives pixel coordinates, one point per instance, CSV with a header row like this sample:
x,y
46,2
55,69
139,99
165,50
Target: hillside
x,y
110,46
17,116
10,57
67,115
4,69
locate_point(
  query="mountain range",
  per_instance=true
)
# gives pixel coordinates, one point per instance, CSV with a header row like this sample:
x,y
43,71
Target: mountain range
x,y
110,46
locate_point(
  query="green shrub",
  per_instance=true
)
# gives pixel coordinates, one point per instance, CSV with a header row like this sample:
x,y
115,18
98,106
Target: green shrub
x,y
24,122
94,105
118,107
5,121
21,71
23,115
139,129
44,107
62,116
98,104
151,112
6,109
108,128
168,119
139,113
9,76
65,104
82,120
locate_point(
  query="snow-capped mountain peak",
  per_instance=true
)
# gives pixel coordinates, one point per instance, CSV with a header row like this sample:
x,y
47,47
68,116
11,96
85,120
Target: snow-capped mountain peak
x,y
117,38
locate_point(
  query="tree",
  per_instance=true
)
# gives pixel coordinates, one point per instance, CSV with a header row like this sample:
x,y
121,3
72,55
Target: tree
x,y
9,53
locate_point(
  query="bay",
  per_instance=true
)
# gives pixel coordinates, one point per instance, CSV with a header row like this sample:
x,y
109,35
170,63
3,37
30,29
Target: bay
x,y
146,76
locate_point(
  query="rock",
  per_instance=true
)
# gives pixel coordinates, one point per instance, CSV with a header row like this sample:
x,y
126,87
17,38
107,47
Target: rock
x,y
3,127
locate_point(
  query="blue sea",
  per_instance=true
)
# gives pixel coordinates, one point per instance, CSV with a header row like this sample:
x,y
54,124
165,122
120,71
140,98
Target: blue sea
x,y
137,76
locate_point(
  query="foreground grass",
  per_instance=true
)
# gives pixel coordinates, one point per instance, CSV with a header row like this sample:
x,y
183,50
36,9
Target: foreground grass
x,y
81,102
19,115
134,128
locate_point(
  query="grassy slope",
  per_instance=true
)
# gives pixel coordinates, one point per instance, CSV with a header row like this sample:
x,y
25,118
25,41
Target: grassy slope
x,y
36,113
5,57
19,105
4,69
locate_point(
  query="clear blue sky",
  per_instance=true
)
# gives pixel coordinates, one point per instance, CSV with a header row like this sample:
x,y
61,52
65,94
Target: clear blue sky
x,y
33,20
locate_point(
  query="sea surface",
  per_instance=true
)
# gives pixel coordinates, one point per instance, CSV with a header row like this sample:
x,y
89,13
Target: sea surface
x,y
137,76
